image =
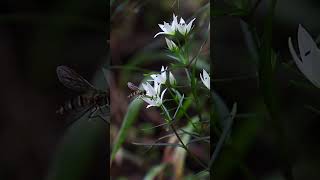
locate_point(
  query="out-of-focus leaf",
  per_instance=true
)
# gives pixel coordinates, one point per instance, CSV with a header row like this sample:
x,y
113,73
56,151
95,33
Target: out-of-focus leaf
x,y
221,108
142,58
154,171
243,5
313,109
128,121
224,134
106,77
76,152
119,8
304,85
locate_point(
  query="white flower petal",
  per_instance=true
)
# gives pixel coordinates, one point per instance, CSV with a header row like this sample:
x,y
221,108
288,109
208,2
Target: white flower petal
x,y
309,54
170,29
162,94
150,91
159,34
182,22
298,61
309,63
205,78
174,22
162,27
190,25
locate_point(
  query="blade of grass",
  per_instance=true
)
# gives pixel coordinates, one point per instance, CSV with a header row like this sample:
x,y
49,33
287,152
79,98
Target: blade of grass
x,y
128,121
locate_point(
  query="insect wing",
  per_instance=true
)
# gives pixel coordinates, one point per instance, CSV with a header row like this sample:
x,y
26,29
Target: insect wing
x,y
132,86
73,80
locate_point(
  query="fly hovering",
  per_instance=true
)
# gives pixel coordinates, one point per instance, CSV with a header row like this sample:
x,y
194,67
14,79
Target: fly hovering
x,y
91,100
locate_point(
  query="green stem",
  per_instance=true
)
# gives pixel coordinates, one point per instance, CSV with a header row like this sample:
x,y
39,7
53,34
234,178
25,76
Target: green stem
x,y
184,111
180,140
194,93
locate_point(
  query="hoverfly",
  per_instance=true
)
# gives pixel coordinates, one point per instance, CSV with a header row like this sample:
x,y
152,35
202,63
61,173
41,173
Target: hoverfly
x,y
92,100
136,90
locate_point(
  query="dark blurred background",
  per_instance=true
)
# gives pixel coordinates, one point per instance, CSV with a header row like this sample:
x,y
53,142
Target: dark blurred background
x,y
255,152
36,37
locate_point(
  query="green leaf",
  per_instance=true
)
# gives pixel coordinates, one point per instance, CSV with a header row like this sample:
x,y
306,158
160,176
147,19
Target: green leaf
x,y
221,108
128,121
77,151
224,135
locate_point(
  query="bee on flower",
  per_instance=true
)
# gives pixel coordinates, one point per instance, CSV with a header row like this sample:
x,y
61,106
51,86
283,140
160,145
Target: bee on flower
x,y
154,96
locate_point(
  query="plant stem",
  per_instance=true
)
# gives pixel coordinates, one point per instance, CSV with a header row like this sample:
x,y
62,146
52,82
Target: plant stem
x,y
184,111
194,93
180,140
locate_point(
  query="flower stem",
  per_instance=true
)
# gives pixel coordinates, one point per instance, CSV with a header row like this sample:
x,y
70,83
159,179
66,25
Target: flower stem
x,y
180,140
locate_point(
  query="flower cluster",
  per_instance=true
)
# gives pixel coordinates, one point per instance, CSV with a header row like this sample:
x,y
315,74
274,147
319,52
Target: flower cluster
x,y
171,29
153,95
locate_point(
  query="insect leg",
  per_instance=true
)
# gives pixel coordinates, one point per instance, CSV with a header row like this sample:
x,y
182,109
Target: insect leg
x,y
95,115
106,120
93,111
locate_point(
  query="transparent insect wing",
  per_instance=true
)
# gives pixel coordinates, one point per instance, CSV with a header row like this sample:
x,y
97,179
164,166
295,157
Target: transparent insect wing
x,y
132,86
73,80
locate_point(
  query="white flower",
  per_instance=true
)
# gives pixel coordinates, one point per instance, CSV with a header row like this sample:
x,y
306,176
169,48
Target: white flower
x,y
309,64
171,45
205,78
152,96
162,77
184,28
167,28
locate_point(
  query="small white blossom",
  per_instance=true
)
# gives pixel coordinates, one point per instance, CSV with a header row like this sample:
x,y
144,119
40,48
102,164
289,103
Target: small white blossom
x,y
167,28
171,45
162,77
205,78
170,29
153,97
184,28
309,64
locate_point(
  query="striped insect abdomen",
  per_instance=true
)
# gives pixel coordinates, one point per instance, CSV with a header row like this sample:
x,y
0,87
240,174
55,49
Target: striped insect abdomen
x,y
74,104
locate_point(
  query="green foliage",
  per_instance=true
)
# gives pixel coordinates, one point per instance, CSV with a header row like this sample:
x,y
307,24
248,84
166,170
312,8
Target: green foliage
x,y
130,117
75,155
